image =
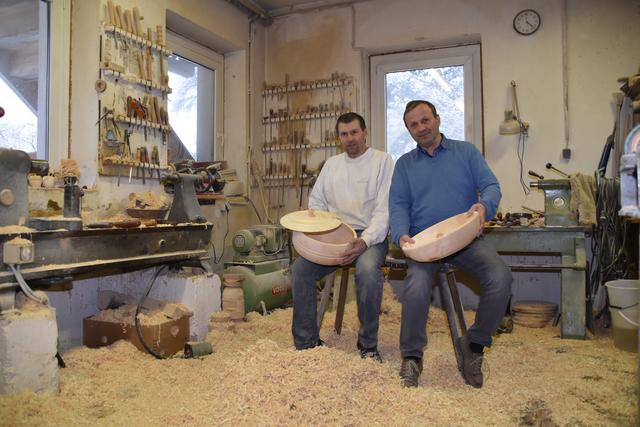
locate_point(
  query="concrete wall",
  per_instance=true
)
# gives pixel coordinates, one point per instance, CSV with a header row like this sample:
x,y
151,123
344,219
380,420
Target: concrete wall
x,y
601,46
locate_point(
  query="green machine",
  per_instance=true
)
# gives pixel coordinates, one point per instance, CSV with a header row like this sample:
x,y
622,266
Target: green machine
x,y
262,258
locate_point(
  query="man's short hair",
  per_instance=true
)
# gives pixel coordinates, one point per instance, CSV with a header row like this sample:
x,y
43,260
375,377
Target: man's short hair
x,y
348,118
413,104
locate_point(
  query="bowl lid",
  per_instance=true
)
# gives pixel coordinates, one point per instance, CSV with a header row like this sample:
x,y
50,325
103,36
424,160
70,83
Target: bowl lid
x,y
310,221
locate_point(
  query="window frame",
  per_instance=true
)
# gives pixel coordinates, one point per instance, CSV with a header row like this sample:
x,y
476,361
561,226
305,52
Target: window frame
x,y
211,59
58,116
468,55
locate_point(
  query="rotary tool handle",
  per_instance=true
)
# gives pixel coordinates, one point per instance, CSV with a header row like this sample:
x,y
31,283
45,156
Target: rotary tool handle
x,y
532,173
550,166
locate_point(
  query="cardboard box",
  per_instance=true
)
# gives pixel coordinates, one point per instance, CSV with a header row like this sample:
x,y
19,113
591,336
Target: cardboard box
x,y
165,339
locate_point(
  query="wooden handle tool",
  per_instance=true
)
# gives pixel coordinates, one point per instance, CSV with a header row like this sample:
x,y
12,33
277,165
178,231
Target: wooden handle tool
x,y
127,20
119,18
136,22
112,12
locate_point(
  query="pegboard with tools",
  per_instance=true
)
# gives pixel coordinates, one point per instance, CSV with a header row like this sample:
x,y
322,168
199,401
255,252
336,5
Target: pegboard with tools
x,y
133,87
299,132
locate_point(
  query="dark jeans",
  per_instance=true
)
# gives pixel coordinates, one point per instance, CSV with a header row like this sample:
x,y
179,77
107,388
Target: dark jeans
x,y
368,294
479,260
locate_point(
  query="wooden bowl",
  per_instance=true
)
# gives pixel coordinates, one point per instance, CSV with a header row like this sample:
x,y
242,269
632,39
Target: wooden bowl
x,y
444,238
326,247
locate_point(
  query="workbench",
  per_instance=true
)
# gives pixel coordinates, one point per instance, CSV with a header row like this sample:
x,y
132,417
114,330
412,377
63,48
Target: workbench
x,y
62,255
568,242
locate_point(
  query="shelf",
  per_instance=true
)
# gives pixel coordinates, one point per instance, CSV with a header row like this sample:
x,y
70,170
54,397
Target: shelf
x,y
132,164
130,78
302,86
139,122
304,116
283,177
136,39
286,147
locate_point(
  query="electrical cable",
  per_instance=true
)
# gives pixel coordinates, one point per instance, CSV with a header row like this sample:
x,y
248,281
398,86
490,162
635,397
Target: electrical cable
x,y
135,317
520,150
608,244
224,239
254,208
23,285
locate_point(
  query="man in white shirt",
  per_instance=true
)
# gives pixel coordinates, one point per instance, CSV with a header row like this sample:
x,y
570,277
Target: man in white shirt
x,y
355,186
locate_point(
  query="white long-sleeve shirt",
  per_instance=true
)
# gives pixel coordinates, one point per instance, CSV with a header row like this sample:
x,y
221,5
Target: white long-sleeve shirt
x,y
357,190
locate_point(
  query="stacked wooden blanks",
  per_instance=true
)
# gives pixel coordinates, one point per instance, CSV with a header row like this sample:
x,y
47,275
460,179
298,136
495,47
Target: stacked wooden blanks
x,y
533,314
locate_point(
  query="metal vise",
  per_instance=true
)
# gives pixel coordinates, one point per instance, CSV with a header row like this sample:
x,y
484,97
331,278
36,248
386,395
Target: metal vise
x,y
629,167
557,199
185,206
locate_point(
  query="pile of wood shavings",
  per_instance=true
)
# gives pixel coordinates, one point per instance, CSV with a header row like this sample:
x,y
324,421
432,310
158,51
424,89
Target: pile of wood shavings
x,y
147,200
11,229
69,167
255,377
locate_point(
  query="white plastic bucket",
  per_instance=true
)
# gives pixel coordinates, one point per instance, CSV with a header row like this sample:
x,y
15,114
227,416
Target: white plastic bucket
x,y
624,296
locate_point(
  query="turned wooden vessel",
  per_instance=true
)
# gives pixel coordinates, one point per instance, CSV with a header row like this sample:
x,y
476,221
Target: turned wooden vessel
x,y
444,238
325,247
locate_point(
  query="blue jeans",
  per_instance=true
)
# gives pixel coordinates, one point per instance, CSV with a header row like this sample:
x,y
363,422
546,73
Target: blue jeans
x,y
368,294
479,260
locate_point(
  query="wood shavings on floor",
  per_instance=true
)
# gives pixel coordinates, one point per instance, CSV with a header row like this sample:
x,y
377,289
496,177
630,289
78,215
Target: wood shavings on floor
x,y
255,377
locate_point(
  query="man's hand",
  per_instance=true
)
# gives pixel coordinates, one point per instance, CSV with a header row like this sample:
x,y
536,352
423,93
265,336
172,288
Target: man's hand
x,y
405,238
354,250
478,207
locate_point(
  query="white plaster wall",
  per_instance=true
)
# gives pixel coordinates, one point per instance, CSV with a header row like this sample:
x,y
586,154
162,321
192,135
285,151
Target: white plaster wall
x,y
602,45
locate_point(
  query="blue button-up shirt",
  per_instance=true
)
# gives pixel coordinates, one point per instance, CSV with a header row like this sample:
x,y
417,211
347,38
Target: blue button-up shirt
x,y
427,189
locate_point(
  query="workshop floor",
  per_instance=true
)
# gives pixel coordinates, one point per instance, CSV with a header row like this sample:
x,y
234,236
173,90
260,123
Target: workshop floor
x,y
256,378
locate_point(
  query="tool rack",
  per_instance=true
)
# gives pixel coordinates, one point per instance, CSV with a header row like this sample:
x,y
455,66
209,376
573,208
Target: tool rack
x,y
298,132
132,85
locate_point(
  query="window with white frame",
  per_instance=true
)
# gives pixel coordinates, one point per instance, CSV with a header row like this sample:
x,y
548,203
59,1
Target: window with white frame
x,y
196,102
24,76
450,78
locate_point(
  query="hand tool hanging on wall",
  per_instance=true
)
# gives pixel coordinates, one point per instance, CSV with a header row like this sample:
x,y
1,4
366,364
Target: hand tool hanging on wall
x,y
155,159
129,24
119,18
136,22
112,13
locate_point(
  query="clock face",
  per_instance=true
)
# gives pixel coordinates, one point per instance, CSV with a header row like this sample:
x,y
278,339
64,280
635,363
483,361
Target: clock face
x,y
526,22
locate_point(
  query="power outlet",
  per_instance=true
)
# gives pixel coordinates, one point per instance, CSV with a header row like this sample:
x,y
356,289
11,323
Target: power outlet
x,y
17,251
566,153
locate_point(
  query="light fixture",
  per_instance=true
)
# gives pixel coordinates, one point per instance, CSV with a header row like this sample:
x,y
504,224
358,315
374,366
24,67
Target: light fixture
x,y
512,124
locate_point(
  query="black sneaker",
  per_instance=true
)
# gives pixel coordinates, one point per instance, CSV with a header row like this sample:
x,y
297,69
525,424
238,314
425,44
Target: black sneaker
x,y
410,372
371,354
318,343
471,369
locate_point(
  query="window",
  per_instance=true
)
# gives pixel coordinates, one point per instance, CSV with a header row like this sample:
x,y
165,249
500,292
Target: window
x,y
24,76
195,104
447,77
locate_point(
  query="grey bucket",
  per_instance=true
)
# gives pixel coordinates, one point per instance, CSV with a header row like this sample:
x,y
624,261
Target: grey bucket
x,y
624,296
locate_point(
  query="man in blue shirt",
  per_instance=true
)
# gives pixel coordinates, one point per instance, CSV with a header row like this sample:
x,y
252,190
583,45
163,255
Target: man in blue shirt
x,y
441,178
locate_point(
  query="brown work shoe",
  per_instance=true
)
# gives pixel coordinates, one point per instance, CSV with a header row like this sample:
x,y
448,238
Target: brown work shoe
x,y
471,368
410,372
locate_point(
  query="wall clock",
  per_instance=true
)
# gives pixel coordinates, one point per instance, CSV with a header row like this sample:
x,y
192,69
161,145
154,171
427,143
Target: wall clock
x,y
527,22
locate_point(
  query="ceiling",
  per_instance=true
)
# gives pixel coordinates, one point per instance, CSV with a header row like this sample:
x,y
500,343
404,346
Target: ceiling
x,y
273,5
275,8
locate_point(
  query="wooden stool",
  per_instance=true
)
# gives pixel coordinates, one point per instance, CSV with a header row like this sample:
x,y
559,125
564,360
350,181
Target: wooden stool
x,y
452,305
342,297
449,294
